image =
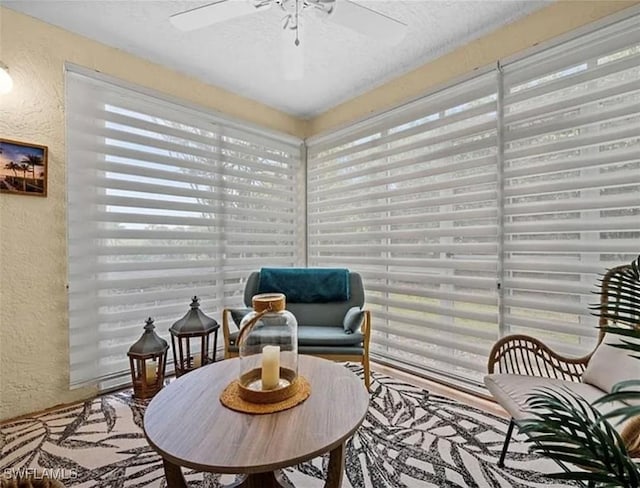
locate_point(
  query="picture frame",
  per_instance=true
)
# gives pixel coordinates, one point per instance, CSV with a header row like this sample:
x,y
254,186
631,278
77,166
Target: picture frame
x,y
23,168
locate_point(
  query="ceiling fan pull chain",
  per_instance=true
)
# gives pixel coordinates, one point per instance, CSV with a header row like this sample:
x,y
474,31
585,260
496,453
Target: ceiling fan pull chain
x,y
297,43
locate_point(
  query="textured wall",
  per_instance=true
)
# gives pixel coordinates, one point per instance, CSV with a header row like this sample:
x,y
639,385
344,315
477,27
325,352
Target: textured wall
x,y
34,365
557,19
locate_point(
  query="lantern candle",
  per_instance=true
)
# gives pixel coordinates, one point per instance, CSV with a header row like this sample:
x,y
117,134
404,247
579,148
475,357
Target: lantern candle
x,y
270,367
150,372
191,334
147,362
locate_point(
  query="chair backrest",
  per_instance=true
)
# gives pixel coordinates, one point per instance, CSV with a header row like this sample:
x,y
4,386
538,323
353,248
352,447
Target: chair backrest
x,y
323,314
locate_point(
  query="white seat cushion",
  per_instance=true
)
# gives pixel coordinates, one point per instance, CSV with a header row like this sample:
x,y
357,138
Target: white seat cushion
x,y
511,391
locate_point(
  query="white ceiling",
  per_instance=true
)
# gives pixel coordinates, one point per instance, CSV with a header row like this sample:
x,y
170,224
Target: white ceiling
x,y
243,55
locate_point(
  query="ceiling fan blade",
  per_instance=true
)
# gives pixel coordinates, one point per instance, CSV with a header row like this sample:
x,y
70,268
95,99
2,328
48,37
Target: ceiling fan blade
x,y
368,22
214,13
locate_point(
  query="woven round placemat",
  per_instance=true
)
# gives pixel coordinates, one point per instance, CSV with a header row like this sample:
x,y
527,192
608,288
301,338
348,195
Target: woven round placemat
x,y
230,398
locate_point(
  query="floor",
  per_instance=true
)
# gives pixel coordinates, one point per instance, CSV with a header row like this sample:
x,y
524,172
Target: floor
x,y
440,389
432,386
417,433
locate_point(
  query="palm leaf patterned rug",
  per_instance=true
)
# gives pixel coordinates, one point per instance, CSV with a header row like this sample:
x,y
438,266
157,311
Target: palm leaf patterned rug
x,y
410,438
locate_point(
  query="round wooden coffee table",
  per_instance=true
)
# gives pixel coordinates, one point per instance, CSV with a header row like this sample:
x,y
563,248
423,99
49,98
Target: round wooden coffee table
x,y
188,426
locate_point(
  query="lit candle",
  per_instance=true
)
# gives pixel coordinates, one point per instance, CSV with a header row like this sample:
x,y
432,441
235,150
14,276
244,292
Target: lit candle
x,y
270,367
150,372
197,361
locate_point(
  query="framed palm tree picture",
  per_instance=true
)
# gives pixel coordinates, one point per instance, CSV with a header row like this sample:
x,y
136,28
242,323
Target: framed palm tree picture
x,y
23,168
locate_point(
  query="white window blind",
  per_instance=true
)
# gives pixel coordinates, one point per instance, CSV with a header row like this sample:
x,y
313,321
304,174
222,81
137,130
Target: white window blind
x,y
571,180
528,179
409,200
164,203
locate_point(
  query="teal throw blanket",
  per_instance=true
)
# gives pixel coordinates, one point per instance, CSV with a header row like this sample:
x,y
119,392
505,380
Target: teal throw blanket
x,y
306,285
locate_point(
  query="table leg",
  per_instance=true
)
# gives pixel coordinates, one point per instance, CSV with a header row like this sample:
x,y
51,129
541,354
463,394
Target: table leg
x,y
259,480
215,344
174,476
336,467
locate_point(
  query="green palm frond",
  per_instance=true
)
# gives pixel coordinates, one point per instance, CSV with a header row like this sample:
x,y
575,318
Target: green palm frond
x,y
566,428
622,303
622,391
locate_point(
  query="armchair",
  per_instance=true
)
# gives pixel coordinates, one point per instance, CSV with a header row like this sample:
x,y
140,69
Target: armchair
x,y
519,364
332,322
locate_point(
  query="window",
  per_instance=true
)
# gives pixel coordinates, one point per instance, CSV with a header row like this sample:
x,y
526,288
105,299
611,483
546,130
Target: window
x,y
571,180
486,208
165,203
490,207
410,201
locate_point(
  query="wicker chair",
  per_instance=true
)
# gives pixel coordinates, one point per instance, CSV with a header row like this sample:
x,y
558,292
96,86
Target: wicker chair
x,y
540,366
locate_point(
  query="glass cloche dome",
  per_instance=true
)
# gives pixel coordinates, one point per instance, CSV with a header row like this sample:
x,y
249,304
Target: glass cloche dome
x,y
268,349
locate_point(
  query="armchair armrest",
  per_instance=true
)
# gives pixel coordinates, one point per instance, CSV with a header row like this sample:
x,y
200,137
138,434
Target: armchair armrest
x,y
227,318
521,354
226,313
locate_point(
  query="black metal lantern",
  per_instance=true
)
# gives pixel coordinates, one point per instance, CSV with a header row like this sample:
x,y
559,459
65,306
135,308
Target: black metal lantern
x,y
148,360
190,340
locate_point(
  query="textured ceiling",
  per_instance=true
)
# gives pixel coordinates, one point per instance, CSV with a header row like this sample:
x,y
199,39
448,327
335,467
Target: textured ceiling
x,y
243,55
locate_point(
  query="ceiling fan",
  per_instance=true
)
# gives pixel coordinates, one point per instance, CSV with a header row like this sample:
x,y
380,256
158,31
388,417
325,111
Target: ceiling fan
x,y
344,12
